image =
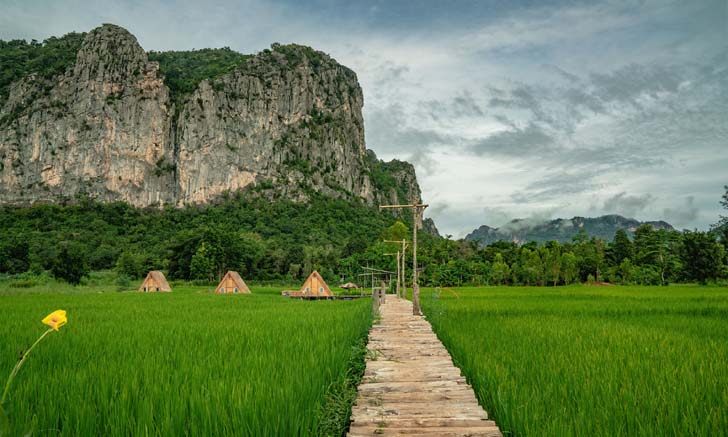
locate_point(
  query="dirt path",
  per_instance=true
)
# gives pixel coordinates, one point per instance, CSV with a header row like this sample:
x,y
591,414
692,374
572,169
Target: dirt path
x,y
411,385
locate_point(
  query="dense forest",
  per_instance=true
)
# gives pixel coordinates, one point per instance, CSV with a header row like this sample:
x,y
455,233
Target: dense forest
x,y
20,58
284,241
261,239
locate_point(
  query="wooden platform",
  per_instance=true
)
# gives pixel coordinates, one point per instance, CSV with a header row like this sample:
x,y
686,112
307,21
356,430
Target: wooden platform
x,y
411,386
335,297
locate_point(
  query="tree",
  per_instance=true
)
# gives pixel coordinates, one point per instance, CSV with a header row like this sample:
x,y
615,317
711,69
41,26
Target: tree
x,y
625,271
702,256
645,245
532,267
14,256
480,271
598,256
656,251
202,265
130,264
589,257
398,231
721,228
499,271
70,264
552,261
569,267
666,256
621,247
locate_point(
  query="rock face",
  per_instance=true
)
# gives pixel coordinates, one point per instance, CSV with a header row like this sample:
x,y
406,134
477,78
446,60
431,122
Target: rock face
x,y
287,121
99,129
562,230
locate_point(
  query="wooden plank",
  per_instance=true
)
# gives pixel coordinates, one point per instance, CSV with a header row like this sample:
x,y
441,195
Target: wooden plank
x,y
411,385
489,431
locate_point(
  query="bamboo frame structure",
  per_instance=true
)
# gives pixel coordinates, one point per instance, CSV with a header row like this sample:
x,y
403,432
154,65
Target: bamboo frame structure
x,y
417,209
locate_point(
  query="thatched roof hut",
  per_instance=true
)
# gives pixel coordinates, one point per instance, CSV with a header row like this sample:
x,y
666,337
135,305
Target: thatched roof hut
x,y
232,283
155,281
315,286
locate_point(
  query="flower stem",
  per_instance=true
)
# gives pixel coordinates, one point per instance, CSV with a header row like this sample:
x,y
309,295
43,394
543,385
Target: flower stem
x,y
19,364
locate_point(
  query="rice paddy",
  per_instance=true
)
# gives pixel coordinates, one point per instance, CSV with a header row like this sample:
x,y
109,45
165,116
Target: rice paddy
x,y
597,361
558,361
181,363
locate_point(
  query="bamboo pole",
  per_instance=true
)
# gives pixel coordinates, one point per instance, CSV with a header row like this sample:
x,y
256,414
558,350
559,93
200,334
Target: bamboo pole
x,y
398,272
403,273
416,209
399,276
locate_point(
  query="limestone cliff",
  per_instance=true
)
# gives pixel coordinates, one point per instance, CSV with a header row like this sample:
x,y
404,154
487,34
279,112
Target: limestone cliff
x,y
99,129
286,122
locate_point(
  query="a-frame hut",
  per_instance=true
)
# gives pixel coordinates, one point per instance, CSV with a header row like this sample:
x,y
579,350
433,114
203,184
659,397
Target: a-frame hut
x,y
155,281
315,286
232,283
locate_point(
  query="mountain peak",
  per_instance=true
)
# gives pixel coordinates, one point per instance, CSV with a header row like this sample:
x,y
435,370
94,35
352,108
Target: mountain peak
x,y
562,230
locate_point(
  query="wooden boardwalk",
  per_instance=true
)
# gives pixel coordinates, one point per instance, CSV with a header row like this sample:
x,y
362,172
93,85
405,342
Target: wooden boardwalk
x,y
411,386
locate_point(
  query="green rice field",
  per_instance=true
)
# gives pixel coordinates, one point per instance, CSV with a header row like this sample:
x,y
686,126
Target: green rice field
x,y
591,361
180,363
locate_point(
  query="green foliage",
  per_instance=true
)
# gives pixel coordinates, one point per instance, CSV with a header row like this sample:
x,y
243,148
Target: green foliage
x,y
295,53
133,265
275,240
596,361
625,271
182,363
19,58
499,272
396,232
123,283
334,416
621,247
14,255
202,265
70,264
703,255
569,267
721,228
184,70
256,237
382,175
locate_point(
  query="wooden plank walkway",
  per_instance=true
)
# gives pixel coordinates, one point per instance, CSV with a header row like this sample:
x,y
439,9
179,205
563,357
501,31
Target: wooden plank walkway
x,y
411,386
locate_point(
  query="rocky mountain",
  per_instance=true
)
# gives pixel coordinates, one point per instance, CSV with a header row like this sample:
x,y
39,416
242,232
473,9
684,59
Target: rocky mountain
x,y
562,230
101,117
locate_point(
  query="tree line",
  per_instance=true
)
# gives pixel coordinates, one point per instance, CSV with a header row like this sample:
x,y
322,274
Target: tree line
x,y
284,241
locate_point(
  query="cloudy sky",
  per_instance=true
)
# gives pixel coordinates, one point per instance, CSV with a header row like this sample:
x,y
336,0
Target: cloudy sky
x,y
528,109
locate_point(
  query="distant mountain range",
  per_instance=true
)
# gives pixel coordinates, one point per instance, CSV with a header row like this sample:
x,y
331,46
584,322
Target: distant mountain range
x,y
562,230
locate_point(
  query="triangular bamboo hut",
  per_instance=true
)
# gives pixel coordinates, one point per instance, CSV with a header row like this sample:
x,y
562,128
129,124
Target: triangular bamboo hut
x,y
232,283
315,286
155,281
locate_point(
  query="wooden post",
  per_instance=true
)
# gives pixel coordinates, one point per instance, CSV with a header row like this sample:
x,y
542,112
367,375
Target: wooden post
x,y
398,273
415,286
383,293
416,208
401,267
399,276
375,301
404,274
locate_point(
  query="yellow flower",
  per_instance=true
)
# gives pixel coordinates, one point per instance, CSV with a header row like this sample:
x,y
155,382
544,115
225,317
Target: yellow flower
x,y
56,319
